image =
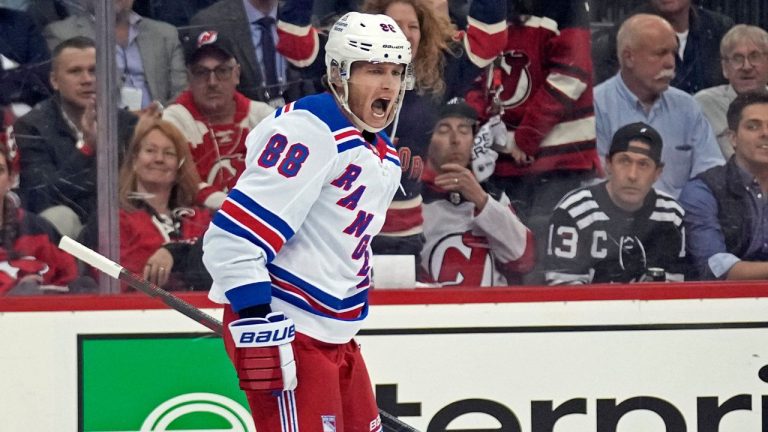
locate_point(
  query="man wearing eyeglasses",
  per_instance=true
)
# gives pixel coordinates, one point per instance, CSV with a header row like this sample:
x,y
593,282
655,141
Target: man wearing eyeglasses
x,y
215,117
744,59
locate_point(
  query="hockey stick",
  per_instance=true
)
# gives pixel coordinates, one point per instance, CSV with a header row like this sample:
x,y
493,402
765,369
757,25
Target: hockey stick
x,y
115,270
389,422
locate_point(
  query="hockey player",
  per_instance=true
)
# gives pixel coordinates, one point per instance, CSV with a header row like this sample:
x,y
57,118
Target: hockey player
x,y
289,250
444,63
616,230
473,236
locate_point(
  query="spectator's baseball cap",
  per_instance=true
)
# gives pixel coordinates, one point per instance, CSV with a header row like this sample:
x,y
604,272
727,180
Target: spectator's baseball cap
x,y
210,43
457,107
637,132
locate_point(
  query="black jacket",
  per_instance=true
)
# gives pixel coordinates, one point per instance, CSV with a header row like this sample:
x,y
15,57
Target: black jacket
x,y
733,212
52,170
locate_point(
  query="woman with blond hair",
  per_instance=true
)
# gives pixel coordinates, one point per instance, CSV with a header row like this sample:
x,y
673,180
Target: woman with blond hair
x,y
159,223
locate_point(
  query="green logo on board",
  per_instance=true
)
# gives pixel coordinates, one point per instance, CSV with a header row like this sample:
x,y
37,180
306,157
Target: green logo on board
x,y
158,383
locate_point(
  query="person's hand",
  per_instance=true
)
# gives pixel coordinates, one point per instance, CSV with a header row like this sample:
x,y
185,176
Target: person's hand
x,y
456,178
153,111
88,125
520,157
505,143
263,354
158,267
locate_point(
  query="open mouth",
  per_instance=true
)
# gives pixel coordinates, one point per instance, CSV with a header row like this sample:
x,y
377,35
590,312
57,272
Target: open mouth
x,y
379,107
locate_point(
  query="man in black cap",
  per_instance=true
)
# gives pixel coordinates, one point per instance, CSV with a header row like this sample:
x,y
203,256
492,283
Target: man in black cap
x,y
214,116
620,229
473,236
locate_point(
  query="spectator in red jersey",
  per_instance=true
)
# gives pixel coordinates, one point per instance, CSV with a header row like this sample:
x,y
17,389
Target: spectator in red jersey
x,y
215,117
30,261
265,41
159,223
541,88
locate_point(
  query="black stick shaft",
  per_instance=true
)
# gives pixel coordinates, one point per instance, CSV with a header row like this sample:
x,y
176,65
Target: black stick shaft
x,y
171,300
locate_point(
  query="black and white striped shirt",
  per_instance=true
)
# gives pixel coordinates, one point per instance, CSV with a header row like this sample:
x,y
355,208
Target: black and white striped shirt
x,y
591,240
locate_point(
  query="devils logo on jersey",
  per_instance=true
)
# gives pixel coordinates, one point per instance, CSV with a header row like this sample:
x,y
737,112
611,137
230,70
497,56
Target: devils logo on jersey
x,y
220,158
225,171
462,259
514,77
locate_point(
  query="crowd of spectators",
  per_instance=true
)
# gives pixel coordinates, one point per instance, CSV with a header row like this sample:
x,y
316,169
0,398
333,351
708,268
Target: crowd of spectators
x,y
533,150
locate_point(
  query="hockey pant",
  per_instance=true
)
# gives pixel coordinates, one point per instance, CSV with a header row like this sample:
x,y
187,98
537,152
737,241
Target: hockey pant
x,y
334,392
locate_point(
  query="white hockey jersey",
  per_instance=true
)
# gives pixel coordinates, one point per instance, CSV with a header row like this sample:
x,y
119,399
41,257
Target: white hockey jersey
x,y
295,231
467,248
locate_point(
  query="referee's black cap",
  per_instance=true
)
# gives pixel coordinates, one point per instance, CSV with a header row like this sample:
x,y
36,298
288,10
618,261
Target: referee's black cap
x,y
637,132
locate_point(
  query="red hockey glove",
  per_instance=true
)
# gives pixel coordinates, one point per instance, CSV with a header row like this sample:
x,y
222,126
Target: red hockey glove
x,y
263,352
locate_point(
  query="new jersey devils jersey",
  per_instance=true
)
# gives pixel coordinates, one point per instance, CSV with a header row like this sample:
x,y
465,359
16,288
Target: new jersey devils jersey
x,y
489,248
35,252
542,86
295,231
591,240
218,150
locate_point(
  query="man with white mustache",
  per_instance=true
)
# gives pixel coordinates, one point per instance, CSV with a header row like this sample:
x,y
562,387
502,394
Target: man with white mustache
x,y
640,92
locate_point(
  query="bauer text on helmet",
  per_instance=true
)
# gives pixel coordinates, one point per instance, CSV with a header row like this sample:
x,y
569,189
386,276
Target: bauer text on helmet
x,y
358,37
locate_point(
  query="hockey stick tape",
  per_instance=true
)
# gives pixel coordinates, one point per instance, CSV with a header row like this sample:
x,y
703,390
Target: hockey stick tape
x,y
90,257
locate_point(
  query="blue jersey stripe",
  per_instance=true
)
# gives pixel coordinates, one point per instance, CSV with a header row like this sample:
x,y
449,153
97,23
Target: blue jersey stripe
x,y
267,216
394,160
227,225
322,297
349,145
303,305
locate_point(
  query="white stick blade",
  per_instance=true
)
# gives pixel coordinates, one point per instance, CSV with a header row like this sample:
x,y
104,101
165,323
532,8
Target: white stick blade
x,y
90,257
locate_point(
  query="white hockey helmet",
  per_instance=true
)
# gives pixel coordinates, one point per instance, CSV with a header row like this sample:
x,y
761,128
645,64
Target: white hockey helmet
x,y
368,38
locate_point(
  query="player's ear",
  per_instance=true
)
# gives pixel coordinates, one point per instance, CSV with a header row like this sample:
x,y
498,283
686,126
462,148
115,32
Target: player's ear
x,y
335,77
